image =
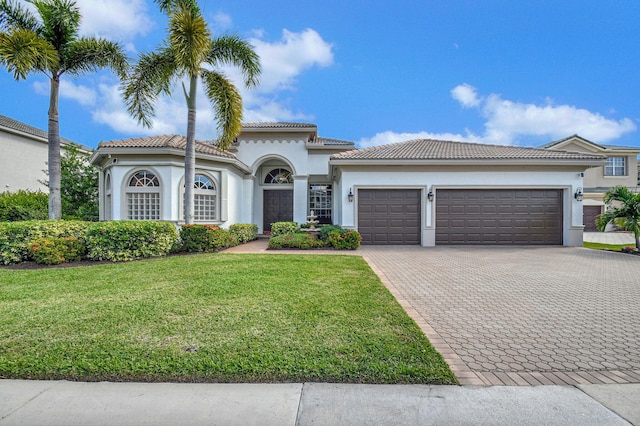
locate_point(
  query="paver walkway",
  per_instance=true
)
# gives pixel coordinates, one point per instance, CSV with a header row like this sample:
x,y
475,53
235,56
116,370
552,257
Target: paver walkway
x,y
517,315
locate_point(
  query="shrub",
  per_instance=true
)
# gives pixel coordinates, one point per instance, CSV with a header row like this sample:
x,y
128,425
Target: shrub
x,y
345,239
244,232
16,236
128,240
205,238
300,240
23,205
325,229
283,228
53,251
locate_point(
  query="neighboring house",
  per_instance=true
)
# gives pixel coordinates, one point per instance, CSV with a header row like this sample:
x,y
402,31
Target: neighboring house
x,y
418,192
24,155
621,168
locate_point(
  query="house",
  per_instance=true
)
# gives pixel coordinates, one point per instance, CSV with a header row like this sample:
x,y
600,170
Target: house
x,y
621,168
23,156
423,192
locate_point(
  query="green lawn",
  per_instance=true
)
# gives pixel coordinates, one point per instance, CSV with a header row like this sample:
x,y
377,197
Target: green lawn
x,y
212,318
600,246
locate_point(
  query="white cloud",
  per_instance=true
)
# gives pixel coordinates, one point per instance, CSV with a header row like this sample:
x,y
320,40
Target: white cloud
x,y
119,20
466,95
222,21
81,94
283,61
389,137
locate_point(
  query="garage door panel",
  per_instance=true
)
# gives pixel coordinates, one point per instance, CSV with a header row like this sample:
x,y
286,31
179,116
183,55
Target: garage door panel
x,y
498,216
389,216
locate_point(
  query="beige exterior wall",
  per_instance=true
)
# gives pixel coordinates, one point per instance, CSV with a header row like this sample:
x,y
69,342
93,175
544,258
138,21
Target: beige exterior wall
x,y
22,163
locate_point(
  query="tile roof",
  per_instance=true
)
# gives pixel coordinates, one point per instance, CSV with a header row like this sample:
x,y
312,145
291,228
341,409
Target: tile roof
x,y
428,149
167,141
19,126
278,125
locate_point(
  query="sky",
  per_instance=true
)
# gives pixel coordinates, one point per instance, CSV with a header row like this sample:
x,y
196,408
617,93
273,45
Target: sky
x,y
375,72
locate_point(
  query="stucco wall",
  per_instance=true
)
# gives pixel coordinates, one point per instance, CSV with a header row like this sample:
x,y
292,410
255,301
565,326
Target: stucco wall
x,y
567,179
22,161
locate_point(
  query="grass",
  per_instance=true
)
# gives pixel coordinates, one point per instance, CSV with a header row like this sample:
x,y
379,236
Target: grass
x,y
601,246
212,318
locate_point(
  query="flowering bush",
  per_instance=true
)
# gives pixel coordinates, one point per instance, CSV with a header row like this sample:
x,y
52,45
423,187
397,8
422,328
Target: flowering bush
x,y
53,251
299,240
282,228
630,249
243,232
345,239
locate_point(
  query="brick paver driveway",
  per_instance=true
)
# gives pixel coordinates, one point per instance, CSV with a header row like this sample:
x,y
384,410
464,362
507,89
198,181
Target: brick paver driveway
x,y
524,315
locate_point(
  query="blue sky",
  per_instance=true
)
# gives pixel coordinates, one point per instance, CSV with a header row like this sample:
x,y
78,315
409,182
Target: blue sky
x,y
375,72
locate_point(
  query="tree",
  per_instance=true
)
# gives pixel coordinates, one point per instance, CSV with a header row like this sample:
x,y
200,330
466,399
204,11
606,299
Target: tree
x,y
190,52
48,43
625,211
79,186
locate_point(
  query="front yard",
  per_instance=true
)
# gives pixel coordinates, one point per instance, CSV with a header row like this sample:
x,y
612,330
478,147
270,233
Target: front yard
x,y
212,318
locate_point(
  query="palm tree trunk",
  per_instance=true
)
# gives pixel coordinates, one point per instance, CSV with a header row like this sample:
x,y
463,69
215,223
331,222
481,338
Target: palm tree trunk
x,y
55,202
190,152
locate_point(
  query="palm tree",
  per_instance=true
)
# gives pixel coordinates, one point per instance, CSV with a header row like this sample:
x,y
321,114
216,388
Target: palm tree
x,y
48,43
192,53
625,211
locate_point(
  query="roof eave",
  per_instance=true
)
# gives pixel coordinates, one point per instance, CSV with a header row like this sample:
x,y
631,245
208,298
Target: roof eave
x,y
467,162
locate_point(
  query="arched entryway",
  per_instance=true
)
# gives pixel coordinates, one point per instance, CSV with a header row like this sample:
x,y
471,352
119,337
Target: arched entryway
x,y
277,196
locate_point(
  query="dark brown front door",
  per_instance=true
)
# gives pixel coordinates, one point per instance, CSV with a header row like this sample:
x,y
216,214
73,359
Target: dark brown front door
x,y
389,216
589,214
498,216
277,207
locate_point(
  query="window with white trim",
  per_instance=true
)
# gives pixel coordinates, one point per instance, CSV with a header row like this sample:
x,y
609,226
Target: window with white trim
x,y
616,166
143,196
320,201
204,199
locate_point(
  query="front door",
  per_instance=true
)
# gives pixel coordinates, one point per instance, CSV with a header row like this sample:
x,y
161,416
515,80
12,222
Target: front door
x,y
278,207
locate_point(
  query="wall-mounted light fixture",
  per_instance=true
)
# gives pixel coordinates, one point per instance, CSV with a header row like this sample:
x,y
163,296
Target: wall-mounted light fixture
x,y
578,195
430,196
350,196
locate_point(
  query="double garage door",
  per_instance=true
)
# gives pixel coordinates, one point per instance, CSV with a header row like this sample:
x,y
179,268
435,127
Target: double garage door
x,y
463,216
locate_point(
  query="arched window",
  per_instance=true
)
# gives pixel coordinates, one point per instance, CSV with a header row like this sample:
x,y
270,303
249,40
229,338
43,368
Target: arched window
x,y
143,196
204,199
278,177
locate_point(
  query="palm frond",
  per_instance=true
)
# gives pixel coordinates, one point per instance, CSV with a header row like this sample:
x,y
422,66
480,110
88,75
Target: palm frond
x,y
89,54
233,50
189,37
14,16
227,105
151,76
60,21
22,52
624,210
168,5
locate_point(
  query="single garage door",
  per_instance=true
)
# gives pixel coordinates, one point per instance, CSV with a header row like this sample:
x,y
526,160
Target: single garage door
x,y
499,216
589,214
389,216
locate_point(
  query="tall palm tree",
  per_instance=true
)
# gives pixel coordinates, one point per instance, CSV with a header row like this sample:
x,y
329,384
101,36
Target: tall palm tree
x,y
192,53
48,43
625,211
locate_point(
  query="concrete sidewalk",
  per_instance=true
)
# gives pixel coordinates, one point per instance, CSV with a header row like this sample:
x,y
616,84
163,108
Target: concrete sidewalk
x,y
25,402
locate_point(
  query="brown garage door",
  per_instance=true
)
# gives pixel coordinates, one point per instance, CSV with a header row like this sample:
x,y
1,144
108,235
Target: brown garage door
x,y
389,216
589,214
499,216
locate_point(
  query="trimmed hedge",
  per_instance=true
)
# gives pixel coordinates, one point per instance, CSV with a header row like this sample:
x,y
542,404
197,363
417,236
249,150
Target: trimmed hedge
x,y
53,251
299,240
343,239
23,205
283,228
205,238
15,237
244,232
128,240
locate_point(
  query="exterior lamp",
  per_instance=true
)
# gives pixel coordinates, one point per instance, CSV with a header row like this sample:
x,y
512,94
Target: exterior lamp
x,y
350,196
430,196
578,195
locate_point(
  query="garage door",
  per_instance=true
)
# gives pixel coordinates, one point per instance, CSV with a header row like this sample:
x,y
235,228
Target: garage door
x,y
498,216
389,216
589,214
